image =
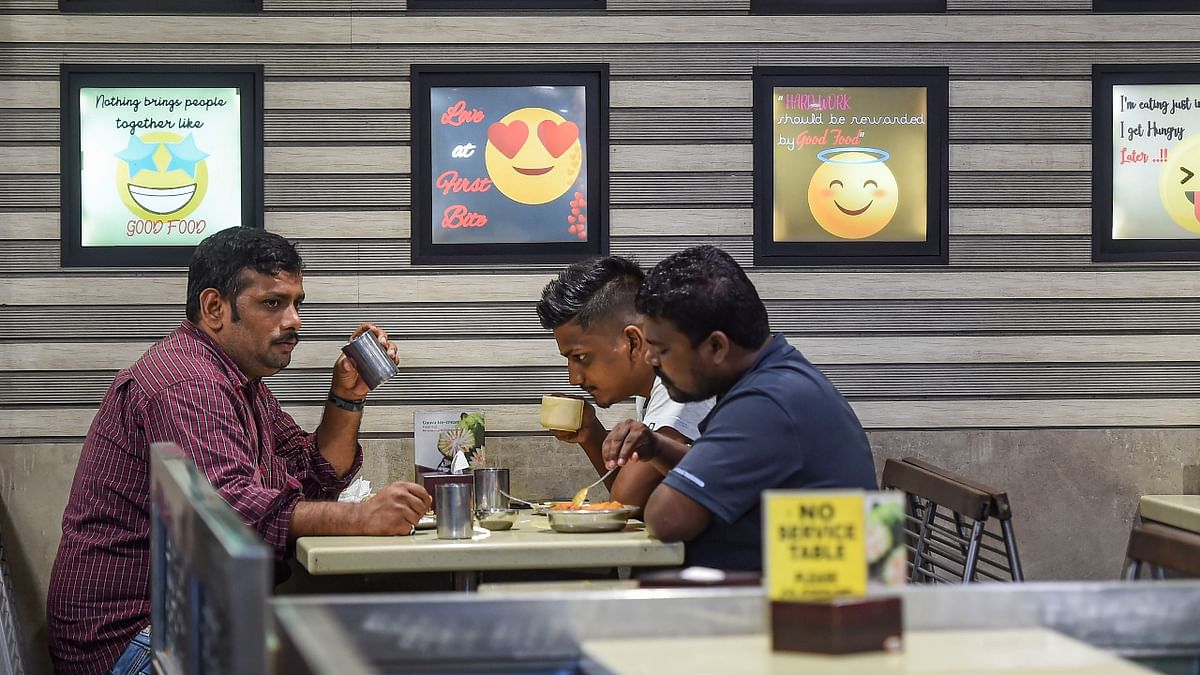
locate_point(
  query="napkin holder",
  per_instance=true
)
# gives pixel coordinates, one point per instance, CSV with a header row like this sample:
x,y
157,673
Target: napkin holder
x,y
841,626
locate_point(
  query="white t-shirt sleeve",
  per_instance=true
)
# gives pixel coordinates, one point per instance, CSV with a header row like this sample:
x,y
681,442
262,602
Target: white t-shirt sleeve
x,y
660,411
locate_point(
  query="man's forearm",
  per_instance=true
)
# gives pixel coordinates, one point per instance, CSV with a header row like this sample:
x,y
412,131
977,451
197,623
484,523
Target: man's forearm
x,y
337,437
670,453
320,518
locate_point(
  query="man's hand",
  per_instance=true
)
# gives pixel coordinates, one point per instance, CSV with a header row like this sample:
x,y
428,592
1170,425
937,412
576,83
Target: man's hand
x,y
630,441
346,382
395,510
590,429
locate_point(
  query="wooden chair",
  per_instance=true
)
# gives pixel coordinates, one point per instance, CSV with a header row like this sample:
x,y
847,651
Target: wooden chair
x,y
952,525
1162,548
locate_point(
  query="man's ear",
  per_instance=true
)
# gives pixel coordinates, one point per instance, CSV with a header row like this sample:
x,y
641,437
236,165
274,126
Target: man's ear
x,y
636,340
717,343
214,310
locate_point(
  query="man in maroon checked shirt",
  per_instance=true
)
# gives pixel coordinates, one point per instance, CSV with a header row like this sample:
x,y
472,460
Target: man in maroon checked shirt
x,y
201,387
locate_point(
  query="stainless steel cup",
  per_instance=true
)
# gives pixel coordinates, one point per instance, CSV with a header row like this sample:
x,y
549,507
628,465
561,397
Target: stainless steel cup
x,y
489,486
454,517
371,359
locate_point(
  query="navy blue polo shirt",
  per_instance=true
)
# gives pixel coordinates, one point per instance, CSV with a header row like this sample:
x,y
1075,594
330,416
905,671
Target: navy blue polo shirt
x,y
783,425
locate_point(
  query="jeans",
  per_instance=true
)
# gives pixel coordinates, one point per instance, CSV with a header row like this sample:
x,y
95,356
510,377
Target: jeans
x,y
136,659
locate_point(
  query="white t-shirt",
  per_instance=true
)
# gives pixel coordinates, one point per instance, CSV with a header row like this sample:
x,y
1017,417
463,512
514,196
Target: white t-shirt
x,y
661,411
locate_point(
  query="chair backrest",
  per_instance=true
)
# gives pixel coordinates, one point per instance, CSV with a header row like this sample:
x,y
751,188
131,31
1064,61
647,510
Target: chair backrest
x,y
210,576
958,530
1162,547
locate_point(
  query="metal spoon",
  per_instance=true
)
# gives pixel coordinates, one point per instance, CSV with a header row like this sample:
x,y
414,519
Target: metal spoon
x,y
582,494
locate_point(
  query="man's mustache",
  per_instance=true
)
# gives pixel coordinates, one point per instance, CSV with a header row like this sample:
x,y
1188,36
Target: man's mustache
x,y
289,336
663,376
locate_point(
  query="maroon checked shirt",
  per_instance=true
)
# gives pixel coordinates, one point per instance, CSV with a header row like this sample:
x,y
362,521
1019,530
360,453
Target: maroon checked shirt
x,y
185,390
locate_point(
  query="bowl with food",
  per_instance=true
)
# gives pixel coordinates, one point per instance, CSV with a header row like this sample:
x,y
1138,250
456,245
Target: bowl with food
x,y
595,517
496,519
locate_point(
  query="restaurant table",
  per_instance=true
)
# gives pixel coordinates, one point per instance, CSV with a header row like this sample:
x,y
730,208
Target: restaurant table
x,y
1182,511
1030,651
529,545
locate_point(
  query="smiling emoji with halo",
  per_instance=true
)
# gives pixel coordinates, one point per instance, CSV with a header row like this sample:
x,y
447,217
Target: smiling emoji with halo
x,y
533,155
162,175
853,194
1178,184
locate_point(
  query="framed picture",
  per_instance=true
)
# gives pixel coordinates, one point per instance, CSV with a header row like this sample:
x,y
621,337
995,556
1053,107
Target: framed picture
x,y
161,6
850,166
847,6
155,158
1145,6
507,5
510,163
1145,161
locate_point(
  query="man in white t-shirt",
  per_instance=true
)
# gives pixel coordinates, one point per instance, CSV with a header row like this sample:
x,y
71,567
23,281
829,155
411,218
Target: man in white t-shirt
x,y
590,309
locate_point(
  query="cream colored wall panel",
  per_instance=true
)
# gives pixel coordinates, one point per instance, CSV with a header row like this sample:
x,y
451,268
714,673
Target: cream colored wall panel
x,y
631,29
339,224
30,159
29,94
1020,94
185,29
1006,157
337,95
336,159
680,94
934,414
1021,221
518,353
29,225
633,158
681,222
999,413
435,288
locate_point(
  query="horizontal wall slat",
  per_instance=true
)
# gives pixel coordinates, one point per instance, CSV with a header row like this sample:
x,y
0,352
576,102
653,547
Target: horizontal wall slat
x,y
772,285
890,317
943,414
643,223
477,386
542,352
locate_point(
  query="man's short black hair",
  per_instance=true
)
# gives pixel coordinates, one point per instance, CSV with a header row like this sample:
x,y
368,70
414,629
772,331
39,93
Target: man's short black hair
x,y
220,258
702,290
591,291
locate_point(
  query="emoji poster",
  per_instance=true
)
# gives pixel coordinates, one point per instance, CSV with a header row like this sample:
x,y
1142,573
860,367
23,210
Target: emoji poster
x,y
159,166
850,164
508,165
1155,161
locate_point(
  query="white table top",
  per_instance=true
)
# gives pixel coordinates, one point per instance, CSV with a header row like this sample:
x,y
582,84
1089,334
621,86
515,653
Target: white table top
x,y
1030,651
530,545
1182,511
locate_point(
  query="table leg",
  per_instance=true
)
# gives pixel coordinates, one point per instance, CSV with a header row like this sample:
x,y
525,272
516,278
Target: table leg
x,y
466,581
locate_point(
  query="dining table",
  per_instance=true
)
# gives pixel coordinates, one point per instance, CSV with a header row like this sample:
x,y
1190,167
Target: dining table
x,y
530,545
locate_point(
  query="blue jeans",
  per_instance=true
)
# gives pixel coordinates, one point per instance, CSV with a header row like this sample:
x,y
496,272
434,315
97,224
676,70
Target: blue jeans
x,y
136,659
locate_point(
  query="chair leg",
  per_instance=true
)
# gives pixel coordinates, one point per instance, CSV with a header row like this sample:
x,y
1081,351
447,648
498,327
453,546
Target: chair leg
x,y
1010,545
973,552
1133,570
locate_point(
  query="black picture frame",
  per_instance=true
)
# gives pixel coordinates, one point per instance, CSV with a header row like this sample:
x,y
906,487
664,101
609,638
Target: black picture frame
x,y
160,6
1144,6
933,249
1142,161
847,6
247,79
450,6
429,214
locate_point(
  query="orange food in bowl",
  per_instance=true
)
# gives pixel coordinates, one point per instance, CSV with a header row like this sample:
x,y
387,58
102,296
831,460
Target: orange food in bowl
x,y
598,506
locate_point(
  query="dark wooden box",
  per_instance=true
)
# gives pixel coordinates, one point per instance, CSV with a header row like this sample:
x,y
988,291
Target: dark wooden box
x,y
837,626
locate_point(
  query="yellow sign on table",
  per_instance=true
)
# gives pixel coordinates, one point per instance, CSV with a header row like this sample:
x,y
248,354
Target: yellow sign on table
x,y
820,545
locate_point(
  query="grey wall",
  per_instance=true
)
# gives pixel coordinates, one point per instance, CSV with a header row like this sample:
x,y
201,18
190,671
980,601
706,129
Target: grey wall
x,y
1071,384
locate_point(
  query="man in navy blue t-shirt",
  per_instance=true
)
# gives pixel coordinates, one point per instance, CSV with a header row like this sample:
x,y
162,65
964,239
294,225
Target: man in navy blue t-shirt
x,y
778,422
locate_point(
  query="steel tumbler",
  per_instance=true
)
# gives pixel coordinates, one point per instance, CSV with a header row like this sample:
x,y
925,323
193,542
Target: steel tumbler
x,y
371,359
490,487
454,518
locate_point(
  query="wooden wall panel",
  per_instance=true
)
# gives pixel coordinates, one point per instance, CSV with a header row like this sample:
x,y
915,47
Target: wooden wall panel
x,y
1020,315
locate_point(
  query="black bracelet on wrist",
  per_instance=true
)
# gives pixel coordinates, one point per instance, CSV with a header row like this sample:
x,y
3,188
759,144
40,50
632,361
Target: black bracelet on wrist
x,y
346,404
